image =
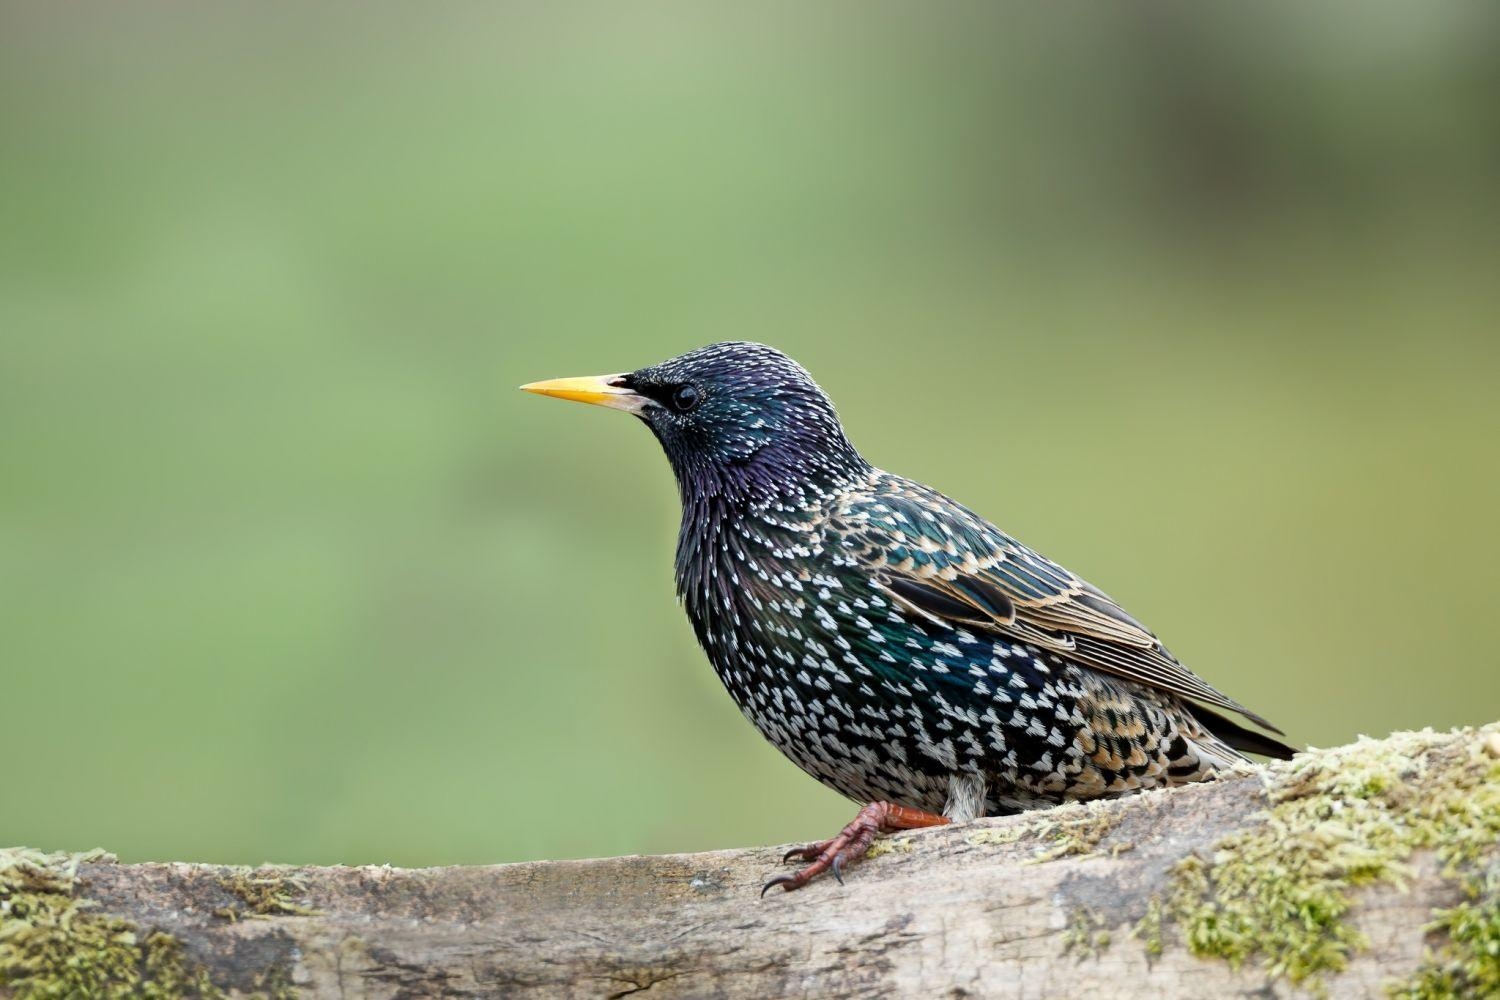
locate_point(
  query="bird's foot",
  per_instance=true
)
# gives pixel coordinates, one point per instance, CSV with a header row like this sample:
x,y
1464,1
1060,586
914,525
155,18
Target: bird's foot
x,y
851,843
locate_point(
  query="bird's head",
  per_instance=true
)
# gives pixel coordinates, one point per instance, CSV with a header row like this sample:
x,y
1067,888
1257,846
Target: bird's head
x,y
737,419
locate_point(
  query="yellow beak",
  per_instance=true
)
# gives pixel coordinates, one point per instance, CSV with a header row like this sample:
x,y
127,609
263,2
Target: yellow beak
x,y
601,390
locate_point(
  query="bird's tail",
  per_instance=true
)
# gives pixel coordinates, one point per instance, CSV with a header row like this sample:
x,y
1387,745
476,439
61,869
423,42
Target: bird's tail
x,y
1239,737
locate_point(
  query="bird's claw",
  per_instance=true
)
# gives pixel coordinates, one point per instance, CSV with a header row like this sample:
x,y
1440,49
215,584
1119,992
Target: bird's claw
x,y
810,852
800,878
850,845
782,880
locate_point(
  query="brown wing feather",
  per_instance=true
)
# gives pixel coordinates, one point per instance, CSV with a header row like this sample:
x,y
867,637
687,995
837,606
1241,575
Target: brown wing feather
x,y
977,577
1080,623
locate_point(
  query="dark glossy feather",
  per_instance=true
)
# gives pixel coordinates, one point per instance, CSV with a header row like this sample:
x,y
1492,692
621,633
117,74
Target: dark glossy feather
x,y
895,528
967,601
1242,739
892,643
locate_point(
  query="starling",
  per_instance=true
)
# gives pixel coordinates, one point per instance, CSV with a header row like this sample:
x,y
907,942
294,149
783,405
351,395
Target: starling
x,y
894,644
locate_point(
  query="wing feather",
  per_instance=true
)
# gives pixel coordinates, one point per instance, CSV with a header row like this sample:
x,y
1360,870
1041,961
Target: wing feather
x,y
950,565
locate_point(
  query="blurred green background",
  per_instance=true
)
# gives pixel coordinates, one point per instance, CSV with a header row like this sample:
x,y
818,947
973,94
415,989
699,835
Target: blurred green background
x,y
1201,301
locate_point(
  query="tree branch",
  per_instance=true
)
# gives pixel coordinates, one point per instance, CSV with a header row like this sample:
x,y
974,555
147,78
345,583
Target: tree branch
x,y
1326,873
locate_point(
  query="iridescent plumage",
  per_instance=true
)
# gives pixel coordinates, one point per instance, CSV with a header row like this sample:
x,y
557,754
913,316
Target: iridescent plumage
x,y
895,645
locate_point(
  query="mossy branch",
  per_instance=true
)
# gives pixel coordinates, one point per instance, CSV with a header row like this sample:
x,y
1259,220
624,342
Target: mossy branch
x,y
1366,870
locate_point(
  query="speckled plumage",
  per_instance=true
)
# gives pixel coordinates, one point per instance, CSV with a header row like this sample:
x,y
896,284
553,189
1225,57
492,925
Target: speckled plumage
x,y
892,643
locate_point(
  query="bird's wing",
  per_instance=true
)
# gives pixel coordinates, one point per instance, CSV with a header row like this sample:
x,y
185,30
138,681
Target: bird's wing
x,y
950,565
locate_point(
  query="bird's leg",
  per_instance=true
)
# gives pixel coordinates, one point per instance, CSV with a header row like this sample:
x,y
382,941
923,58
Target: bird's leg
x,y
852,842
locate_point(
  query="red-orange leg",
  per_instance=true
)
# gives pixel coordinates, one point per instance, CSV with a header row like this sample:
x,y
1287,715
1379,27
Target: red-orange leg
x,y
852,842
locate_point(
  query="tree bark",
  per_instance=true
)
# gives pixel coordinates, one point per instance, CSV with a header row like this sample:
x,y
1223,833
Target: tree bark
x,y
1067,903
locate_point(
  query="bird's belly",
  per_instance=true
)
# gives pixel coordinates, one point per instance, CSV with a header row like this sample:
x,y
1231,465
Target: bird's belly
x,y
822,729
1035,739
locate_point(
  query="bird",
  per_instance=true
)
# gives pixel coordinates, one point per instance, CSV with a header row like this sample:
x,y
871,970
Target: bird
x,y
892,643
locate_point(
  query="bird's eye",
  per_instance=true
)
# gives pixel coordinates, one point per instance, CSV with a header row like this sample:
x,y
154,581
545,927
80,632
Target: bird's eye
x,y
685,398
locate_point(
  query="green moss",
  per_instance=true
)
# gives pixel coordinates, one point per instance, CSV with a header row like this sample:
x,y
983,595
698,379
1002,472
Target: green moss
x,y
170,976
264,893
273,984
1005,835
889,845
1072,831
1085,934
1279,891
1467,963
55,946
1149,929
1067,831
